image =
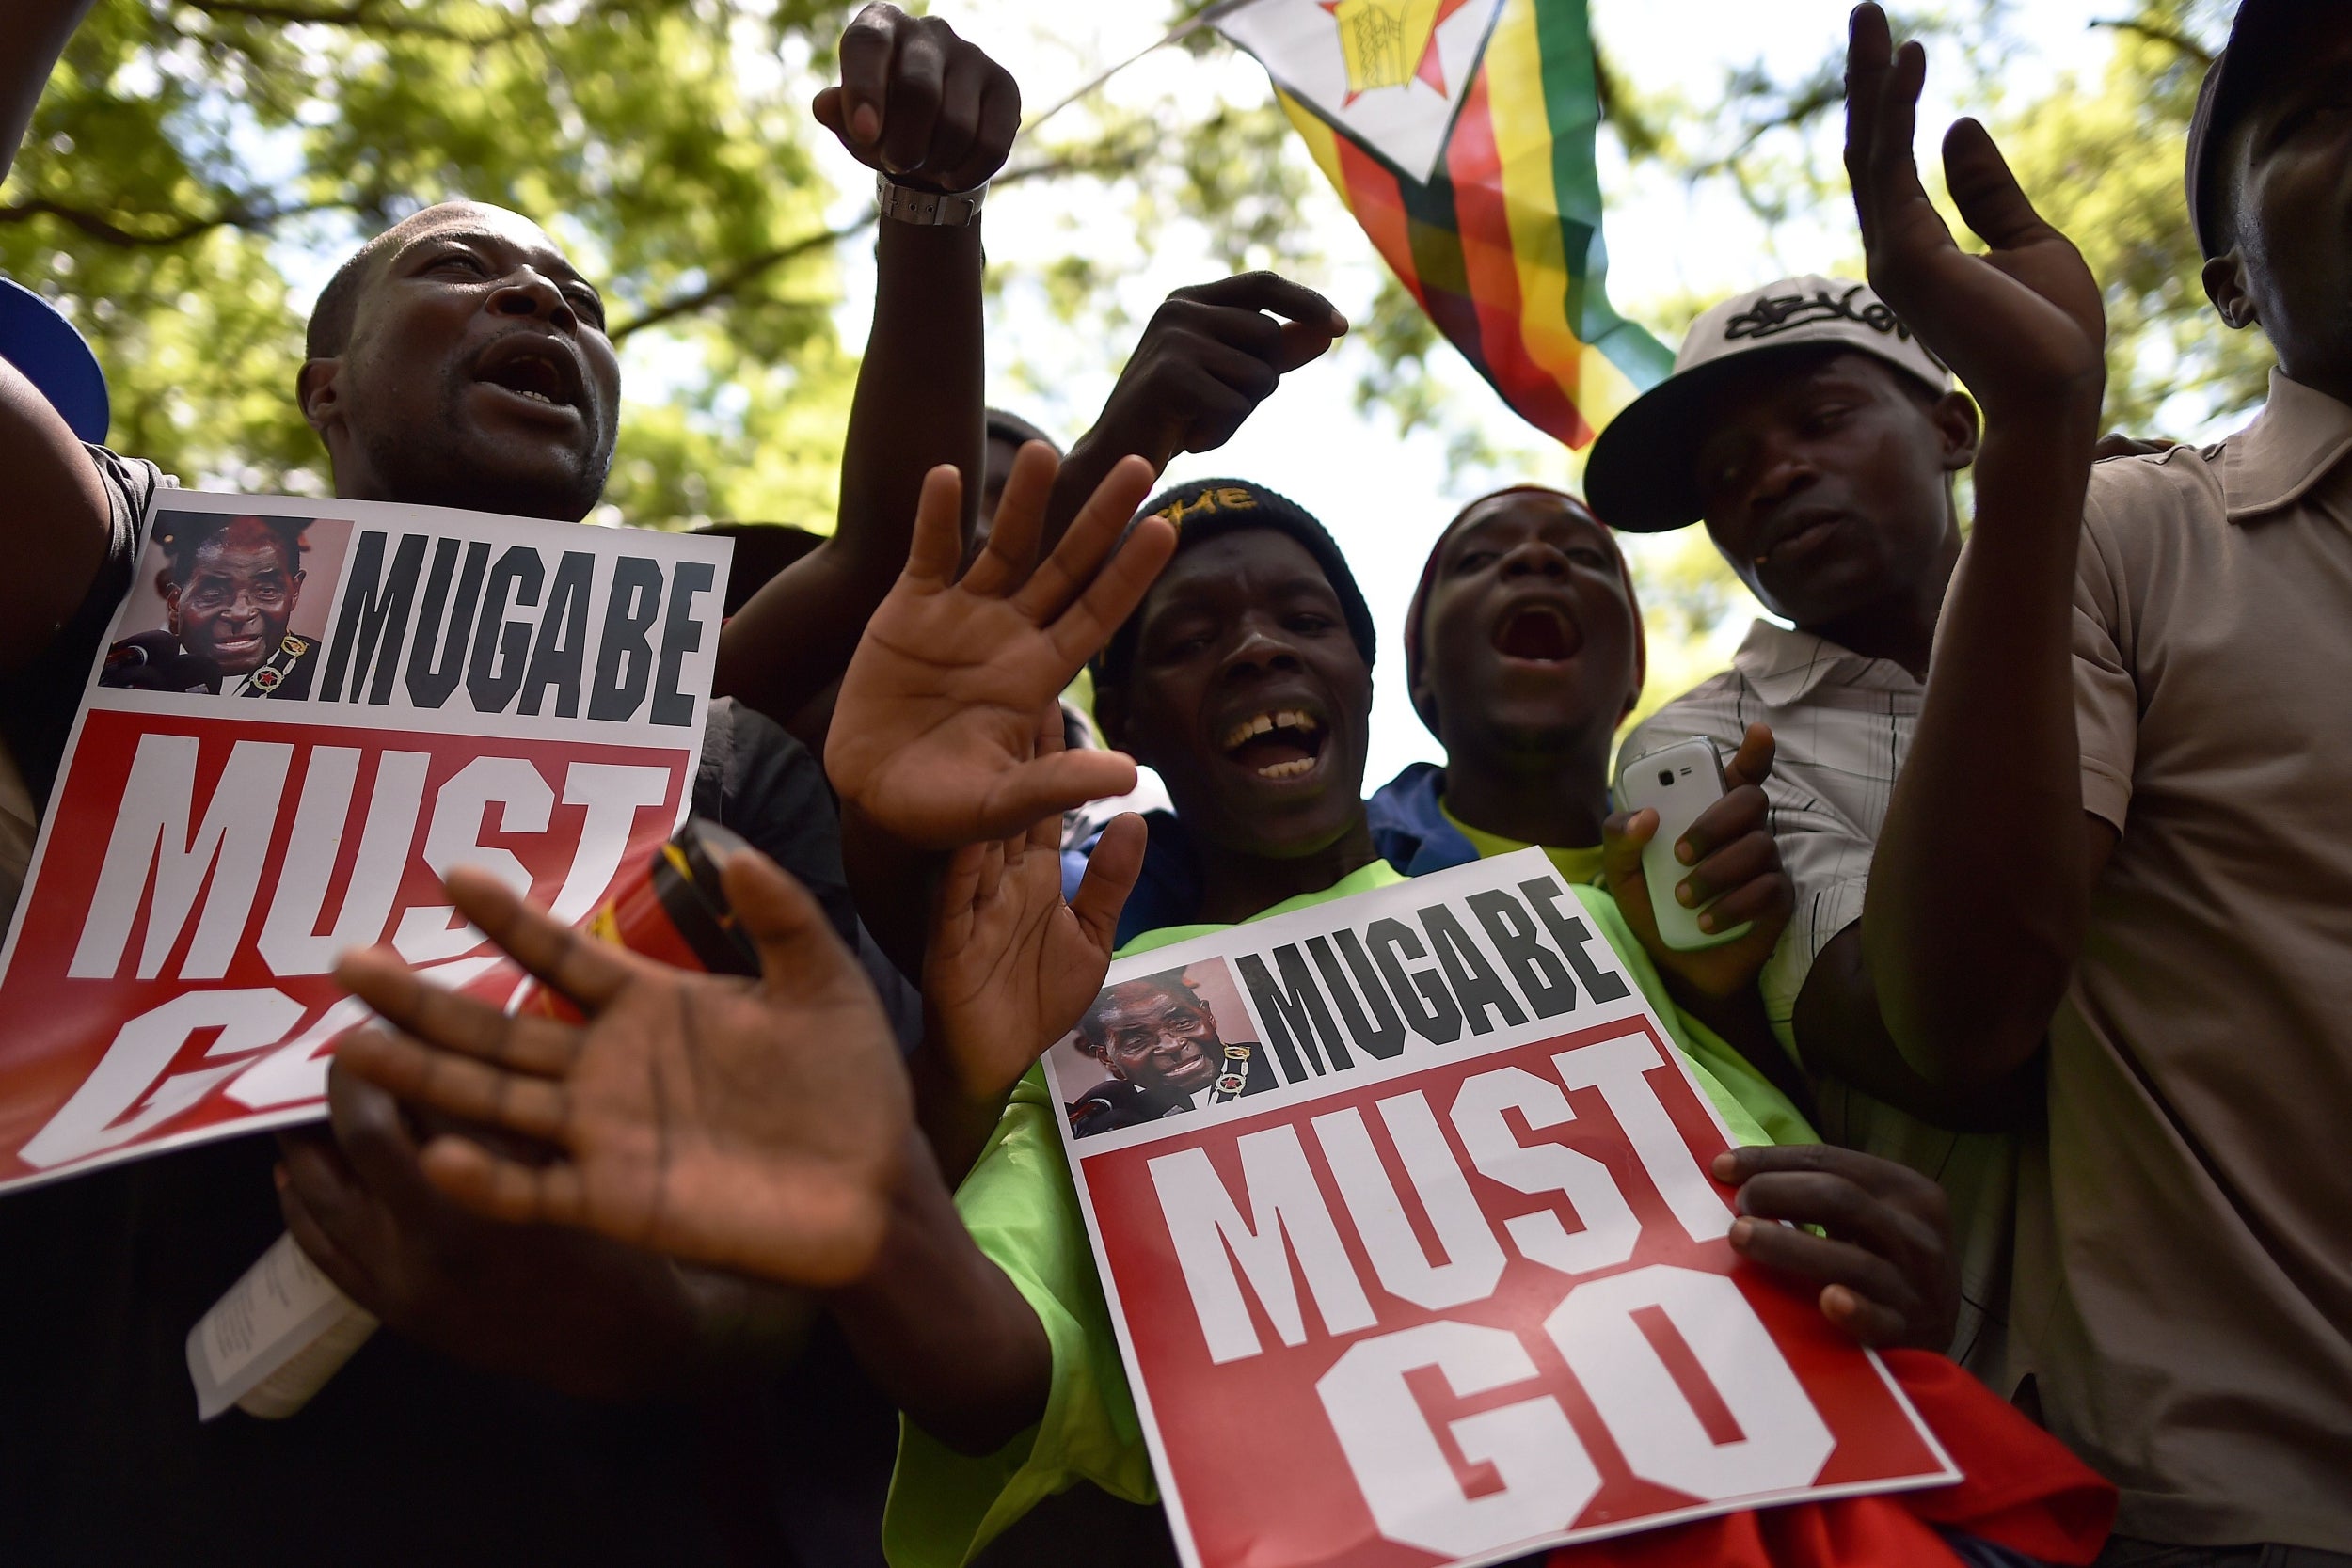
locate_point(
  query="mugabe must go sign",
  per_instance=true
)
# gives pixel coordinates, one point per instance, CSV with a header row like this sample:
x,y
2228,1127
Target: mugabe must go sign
x,y
307,710
1403,1210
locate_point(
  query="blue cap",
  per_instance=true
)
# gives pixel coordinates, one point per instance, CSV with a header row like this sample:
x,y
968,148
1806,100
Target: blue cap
x,y
36,338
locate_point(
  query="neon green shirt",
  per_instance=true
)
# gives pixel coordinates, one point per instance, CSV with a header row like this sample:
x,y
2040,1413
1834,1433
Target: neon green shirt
x,y
1580,866
1020,1206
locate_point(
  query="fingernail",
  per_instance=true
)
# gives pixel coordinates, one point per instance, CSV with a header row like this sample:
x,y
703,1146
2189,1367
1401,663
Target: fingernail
x,y
1706,923
1683,851
1339,323
278,1174
1725,1165
1741,1232
864,123
1683,895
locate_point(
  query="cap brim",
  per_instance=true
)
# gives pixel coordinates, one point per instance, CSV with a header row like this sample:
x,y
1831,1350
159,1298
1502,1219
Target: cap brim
x,y
1642,474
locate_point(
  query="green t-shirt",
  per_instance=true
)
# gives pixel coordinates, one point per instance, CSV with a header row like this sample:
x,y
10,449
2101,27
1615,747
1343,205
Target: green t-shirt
x,y
1580,866
1022,1209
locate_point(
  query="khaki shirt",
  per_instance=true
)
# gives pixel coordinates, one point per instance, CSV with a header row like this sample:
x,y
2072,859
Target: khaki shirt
x,y
2185,1250
1842,724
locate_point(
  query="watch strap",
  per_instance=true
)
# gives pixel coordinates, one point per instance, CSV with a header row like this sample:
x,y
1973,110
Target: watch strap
x,y
927,209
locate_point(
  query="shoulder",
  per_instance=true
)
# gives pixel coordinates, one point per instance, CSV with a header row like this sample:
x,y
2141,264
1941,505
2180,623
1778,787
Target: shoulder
x,y
133,482
1711,708
2139,499
758,781
2146,520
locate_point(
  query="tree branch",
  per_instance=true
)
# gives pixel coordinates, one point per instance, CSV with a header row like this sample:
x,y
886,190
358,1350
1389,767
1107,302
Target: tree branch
x,y
726,285
366,15
2156,33
104,229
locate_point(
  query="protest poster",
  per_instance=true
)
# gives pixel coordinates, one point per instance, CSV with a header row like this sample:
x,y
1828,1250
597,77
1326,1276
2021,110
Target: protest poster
x,y
1402,1210
305,711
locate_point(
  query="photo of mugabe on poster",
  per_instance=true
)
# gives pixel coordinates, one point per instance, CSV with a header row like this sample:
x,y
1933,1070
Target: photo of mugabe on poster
x,y
295,726
217,606
1170,1043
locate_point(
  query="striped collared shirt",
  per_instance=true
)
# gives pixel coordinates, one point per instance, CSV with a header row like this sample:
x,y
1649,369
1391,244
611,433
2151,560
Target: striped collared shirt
x,y
1843,724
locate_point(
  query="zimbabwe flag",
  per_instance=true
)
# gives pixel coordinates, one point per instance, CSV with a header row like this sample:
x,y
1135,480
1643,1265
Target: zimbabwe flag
x,y
1460,135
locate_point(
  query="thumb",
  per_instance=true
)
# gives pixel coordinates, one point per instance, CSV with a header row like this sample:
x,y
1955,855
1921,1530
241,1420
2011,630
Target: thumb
x,y
1622,838
1110,876
1753,762
1305,342
797,950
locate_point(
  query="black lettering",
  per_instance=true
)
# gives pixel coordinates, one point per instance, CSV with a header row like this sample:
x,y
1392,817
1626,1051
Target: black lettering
x,y
1543,978
681,634
1476,985
373,621
501,647
1435,1019
1384,1038
1571,934
1298,1012
430,684
625,653
560,657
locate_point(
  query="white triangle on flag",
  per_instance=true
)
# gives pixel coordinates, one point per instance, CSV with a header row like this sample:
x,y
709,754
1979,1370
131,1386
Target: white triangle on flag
x,y
1391,73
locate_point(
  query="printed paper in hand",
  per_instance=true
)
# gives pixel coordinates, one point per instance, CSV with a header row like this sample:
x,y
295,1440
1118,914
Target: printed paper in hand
x,y
1402,1210
308,710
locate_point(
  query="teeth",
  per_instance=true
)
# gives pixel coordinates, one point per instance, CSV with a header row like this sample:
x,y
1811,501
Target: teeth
x,y
1264,723
1287,770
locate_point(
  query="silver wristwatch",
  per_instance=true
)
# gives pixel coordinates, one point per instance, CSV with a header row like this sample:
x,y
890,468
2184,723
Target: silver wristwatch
x,y
927,209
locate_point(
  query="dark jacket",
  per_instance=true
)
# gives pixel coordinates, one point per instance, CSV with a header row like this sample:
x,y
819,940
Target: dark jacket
x,y
1408,827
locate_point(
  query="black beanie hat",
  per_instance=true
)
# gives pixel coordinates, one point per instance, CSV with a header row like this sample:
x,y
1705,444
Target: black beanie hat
x,y
1205,509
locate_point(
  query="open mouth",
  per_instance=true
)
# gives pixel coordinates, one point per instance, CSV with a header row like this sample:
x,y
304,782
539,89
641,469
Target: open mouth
x,y
534,370
1539,633
1281,743
236,647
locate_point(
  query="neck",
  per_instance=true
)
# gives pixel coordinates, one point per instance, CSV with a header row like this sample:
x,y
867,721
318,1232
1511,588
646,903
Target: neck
x,y
1900,626
1557,798
1235,886
2325,375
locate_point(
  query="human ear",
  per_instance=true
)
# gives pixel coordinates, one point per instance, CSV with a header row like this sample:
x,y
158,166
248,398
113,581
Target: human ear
x,y
2225,285
171,609
317,394
1956,421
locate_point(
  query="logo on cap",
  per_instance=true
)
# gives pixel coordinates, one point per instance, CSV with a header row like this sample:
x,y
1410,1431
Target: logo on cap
x,y
1771,316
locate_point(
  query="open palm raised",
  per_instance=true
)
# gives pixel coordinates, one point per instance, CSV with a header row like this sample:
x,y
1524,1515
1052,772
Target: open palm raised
x,y
2022,325
934,736
1011,965
752,1125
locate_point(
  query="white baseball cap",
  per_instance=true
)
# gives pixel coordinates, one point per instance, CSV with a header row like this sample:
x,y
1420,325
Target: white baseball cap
x,y
1642,476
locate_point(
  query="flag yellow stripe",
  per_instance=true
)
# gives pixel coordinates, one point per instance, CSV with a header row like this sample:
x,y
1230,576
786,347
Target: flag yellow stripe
x,y
1522,132
1317,136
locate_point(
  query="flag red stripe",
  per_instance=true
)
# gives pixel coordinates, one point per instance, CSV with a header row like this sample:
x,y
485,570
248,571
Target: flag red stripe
x,y
1475,169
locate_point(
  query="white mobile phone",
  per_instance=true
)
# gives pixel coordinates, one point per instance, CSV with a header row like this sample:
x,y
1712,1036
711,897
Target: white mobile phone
x,y
1678,783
